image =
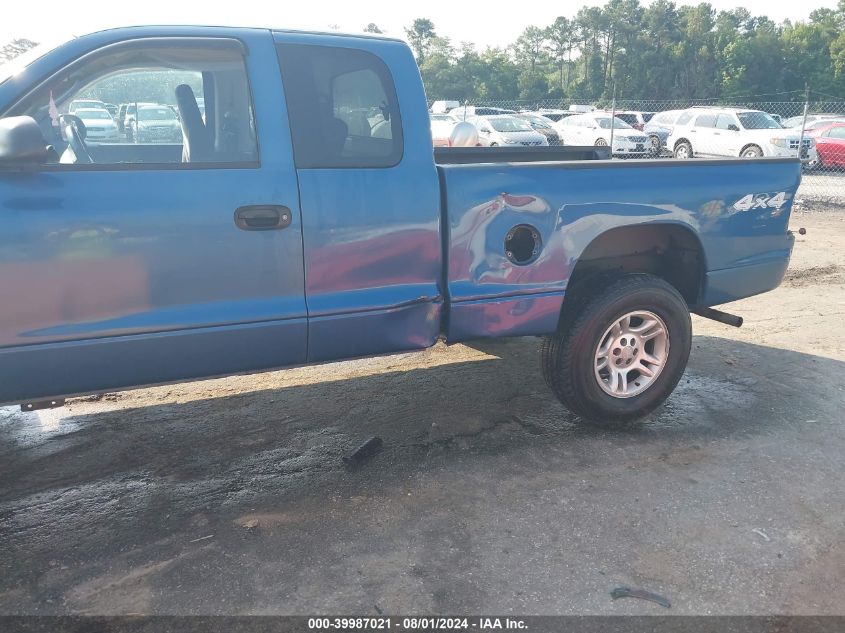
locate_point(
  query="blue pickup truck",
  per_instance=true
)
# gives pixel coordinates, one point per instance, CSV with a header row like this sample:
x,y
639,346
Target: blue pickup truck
x,y
305,217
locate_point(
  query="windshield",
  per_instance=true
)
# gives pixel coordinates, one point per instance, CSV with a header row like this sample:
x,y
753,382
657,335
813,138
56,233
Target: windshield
x,y
509,124
156,114
757,121
93,114
19,63
604,123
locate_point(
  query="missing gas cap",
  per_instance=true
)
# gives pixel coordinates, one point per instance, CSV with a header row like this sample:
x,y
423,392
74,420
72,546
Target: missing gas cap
x,y
522,244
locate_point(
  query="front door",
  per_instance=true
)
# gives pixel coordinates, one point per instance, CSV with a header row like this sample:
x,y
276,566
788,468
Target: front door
x,y
157,254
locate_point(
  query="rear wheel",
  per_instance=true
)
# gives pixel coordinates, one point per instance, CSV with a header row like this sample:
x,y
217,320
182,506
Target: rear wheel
x,y
620,353
752,151
654,145
601,142
683,150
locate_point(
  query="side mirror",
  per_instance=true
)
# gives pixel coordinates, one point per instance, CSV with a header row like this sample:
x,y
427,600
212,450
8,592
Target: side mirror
x,y
733,128
21,142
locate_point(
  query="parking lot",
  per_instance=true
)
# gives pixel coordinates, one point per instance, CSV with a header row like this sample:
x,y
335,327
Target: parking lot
x,y
230,495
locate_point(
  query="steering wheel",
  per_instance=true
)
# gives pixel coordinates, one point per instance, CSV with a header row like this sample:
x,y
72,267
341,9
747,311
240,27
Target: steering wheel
x,y
73,131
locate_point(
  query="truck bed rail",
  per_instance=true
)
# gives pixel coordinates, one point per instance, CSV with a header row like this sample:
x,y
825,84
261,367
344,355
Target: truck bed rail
x,y
468,155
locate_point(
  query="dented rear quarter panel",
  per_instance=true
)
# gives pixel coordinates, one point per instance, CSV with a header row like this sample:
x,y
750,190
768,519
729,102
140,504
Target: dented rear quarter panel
x,y
571,204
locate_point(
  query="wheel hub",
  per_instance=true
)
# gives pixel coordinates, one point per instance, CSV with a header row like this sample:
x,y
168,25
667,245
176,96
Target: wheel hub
x,y
631,354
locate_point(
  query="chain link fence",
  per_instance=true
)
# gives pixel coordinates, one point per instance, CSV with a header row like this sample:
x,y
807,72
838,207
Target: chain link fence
x,y
714,128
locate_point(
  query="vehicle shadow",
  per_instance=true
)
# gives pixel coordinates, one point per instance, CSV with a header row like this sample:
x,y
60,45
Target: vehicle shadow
x,y
494,403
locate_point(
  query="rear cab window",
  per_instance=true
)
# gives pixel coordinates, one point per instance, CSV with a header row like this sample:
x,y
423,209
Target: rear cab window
x,y
342,107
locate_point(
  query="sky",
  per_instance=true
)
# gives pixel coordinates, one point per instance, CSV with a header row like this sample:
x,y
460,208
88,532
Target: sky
x,y
484,23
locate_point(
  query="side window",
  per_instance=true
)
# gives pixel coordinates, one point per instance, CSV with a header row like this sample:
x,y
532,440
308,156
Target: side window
x,y
684,118
837,132
706,120
724,121
342,106
183,102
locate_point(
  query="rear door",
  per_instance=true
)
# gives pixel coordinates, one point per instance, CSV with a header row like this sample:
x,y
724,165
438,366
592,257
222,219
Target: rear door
x,y
702,135
369,192
128,263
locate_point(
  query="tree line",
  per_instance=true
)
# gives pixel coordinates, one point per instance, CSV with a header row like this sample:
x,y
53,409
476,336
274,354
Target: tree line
x,y
659,52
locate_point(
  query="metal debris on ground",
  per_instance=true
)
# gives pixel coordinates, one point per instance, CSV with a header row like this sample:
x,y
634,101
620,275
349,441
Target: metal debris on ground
x,y
364,452
762,534
642,594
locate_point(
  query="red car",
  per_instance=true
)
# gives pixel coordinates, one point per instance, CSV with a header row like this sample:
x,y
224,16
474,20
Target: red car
x,y
830,144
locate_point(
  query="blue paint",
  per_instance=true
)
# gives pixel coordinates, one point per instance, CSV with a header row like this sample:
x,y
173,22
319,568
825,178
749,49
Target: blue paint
x,y
120,277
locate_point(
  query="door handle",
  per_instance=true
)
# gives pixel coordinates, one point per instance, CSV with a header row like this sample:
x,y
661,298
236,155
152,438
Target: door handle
x,y
263,217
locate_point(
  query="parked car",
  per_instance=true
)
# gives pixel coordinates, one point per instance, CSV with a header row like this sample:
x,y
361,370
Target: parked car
x,y
594,129
505,129
735,132
441,128
99,125
155,124
154,263
77,104
463,113
542,125
443,106
637,119
830,145
795,121
818,123
554,114
659,128
129,114
112,108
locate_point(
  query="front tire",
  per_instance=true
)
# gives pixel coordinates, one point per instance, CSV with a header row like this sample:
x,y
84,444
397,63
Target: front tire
x,y
655,145
752,151
620,353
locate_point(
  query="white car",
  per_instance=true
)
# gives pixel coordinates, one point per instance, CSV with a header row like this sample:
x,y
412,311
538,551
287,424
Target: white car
x,y
594,129
441,128
442,106
99,124
156,124
735,132
79,104
503,129
795,121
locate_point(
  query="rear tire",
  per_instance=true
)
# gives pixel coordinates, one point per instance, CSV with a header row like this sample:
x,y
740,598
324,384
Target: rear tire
x,y
683,150
601,143
572,358
752,151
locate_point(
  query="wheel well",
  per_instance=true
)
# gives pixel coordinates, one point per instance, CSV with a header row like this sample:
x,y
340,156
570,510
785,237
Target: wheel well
x,y
681,140
742,151
668,251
